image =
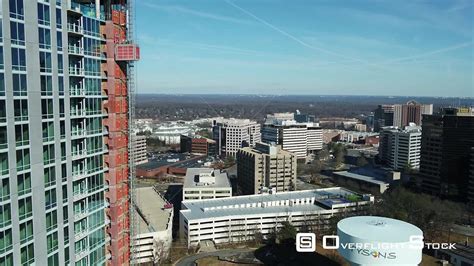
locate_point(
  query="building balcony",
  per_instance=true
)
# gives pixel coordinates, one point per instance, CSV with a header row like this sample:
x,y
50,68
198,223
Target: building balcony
x,y
75,50
78,175
78,133
78,154
80,255
77,113
80,215
76,71
80,194
77,91
80,235
75,29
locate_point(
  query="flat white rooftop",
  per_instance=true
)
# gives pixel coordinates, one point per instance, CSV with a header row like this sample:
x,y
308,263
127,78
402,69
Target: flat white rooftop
x,y
192,178
324,199
364,178
152,216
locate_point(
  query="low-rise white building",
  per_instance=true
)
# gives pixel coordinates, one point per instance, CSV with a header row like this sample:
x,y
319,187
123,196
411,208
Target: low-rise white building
x,y
154,224
237,219
206,183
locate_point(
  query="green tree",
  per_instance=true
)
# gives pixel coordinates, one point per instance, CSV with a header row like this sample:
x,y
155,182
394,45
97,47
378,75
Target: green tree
x,y
287,232
432,215
229,161
323,154
338,151
315,168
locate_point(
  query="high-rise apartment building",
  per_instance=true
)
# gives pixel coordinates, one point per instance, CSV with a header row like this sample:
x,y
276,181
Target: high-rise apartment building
x,y
400,148
64,197
445,152
265,166
232,134
411,112
295,137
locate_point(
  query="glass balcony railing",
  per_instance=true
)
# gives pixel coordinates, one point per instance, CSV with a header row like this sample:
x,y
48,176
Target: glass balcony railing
x,y
75,50
78,132
78,112
76,71
74,28
77,90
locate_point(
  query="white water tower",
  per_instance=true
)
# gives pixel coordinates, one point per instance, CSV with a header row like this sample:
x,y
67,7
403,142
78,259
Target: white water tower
x,y
386,241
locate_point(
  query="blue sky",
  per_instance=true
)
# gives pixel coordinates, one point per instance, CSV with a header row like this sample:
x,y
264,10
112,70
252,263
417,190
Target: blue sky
x,y
419,48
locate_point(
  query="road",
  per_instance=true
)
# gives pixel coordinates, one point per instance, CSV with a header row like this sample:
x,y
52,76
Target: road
x,y
189,261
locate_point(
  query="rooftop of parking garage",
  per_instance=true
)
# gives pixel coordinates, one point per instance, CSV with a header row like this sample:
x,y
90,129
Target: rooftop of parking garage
x,y
150,211
323,199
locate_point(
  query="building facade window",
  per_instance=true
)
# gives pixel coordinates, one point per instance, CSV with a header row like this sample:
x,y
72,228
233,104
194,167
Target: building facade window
x,y
19,85
23,159
24,183
20,110
18,59
17,9
22,133
44,17
17,32
44,36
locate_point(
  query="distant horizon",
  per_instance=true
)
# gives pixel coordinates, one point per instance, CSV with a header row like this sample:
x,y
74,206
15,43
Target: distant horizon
x,y
321,95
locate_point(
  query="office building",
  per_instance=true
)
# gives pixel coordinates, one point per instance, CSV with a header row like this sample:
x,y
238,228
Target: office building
x,y
400,148
206,183
314,140
290,135
411,112
232,134
400,115
471,178
297,116
298,138
239,218
383,116
193,143
140,150
266,166
447,138
64,132
274,118
304,118
154,216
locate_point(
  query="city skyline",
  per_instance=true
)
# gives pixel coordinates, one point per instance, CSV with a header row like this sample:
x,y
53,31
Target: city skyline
x,y
339,48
